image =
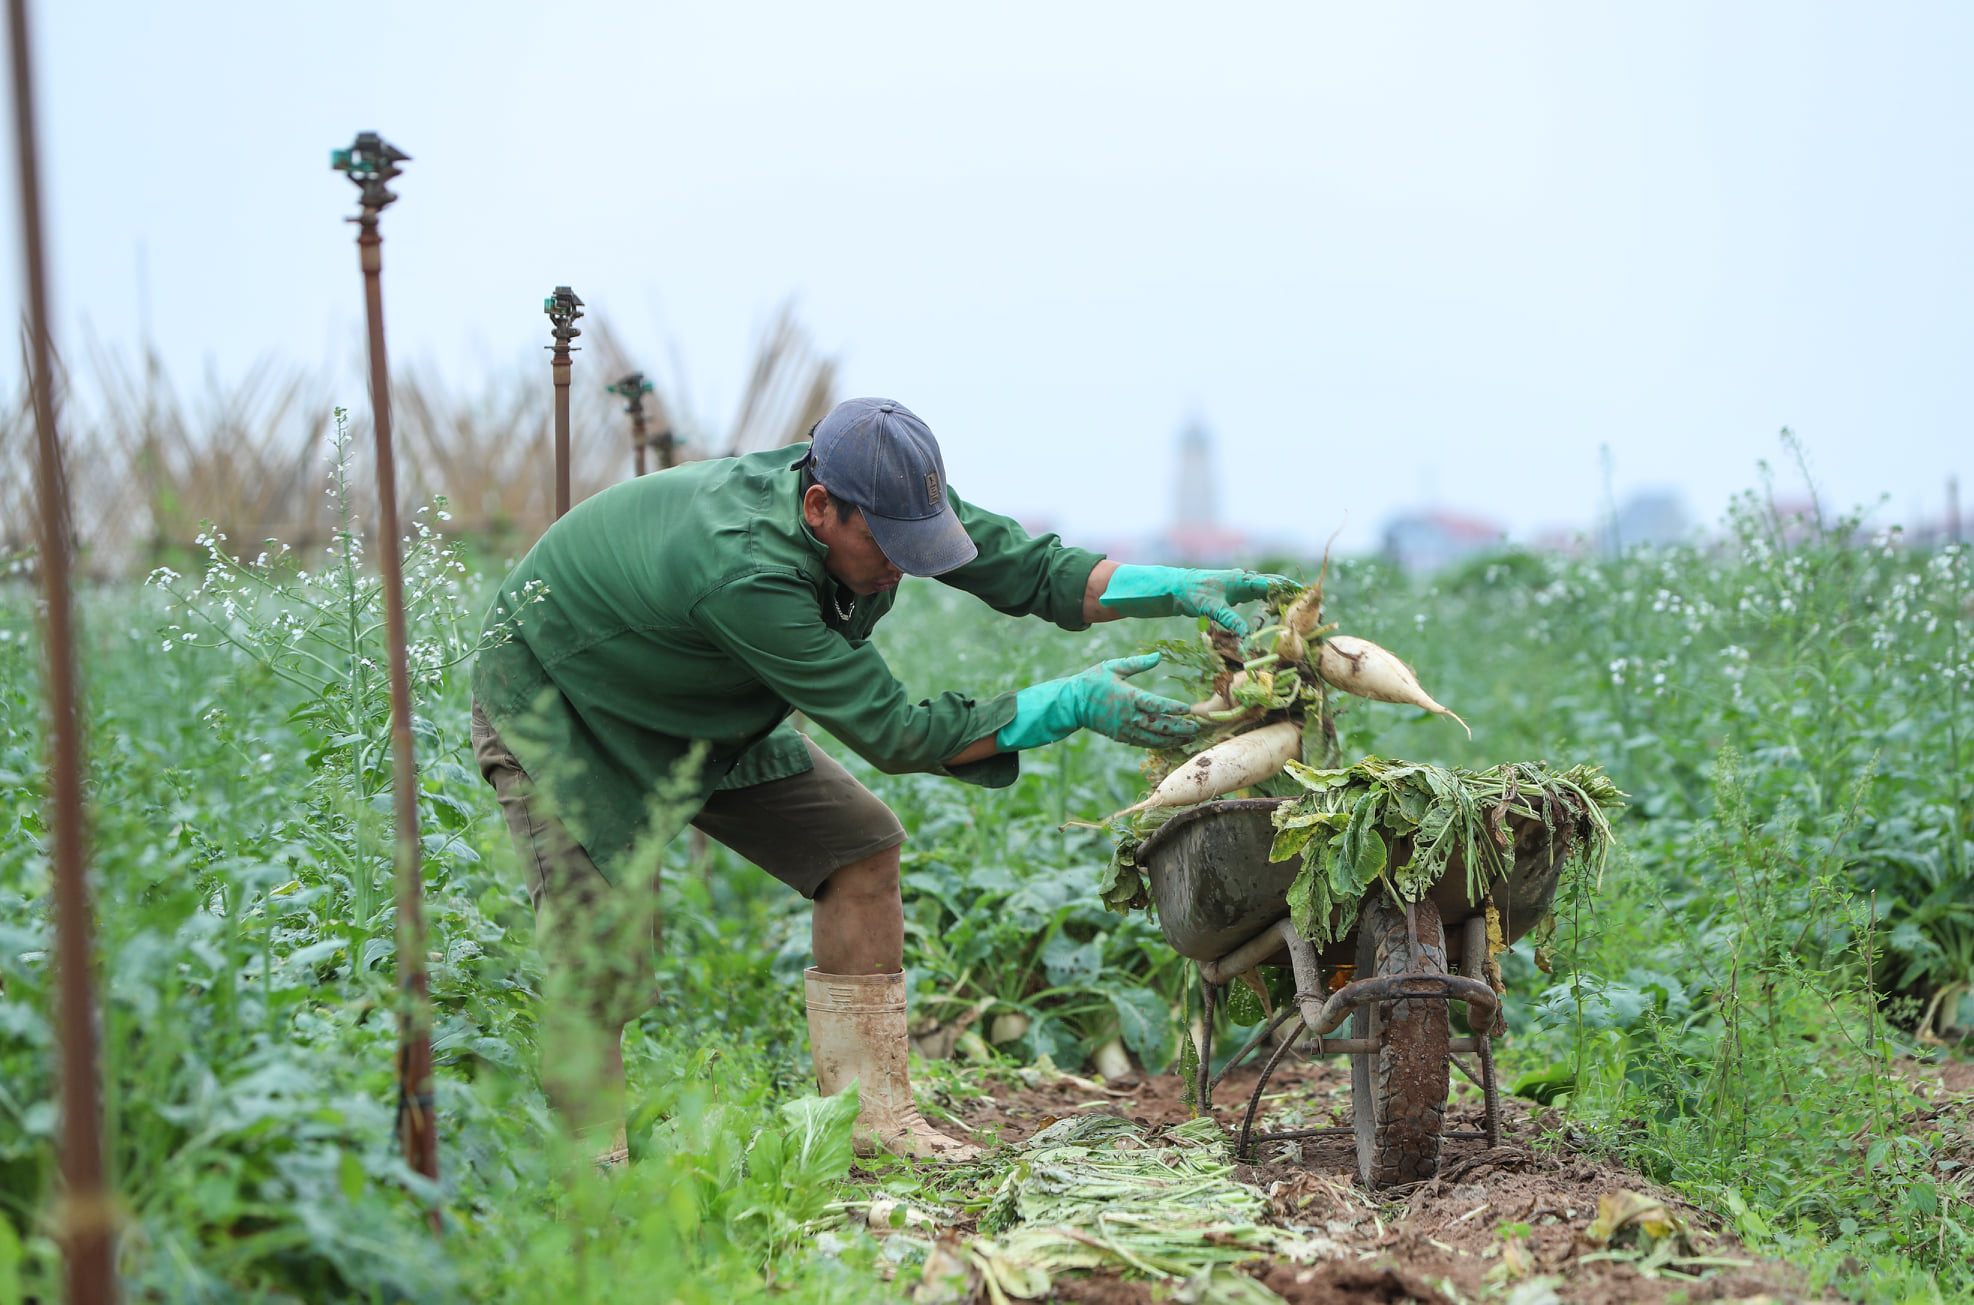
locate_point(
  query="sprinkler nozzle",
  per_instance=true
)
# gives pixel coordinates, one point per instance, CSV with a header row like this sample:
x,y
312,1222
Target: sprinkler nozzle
x,y
563,308
370,161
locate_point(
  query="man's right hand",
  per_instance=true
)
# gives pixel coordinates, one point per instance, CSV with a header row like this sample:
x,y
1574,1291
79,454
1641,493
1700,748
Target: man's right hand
x,y
1098,699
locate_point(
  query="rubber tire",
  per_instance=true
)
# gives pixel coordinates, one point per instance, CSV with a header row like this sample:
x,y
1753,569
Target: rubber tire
x,y
1398,1094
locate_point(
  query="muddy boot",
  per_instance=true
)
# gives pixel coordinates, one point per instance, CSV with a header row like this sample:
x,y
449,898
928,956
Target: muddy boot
x,y
605,1145
857,1034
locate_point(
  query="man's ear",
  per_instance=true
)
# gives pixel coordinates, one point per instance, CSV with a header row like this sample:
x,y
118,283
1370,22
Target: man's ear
x,y
815,506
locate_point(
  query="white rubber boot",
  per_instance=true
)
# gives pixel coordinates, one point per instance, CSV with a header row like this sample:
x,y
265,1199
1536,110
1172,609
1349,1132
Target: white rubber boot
x,y
857,1035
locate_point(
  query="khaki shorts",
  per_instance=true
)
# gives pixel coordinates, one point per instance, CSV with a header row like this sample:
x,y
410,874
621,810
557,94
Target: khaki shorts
x,y
601,937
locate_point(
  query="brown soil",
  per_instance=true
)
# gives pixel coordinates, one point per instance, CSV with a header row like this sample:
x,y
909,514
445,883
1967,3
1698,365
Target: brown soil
x,y
1347,1284
1944,1116
1104,1289
1942,1082
1408,1243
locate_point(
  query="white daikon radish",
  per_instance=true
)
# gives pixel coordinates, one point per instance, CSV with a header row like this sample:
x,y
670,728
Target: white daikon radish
x,y
1360,667
883,1216
1301,617
1112,1060
1298,619
1221,707
1242,760
1008,1026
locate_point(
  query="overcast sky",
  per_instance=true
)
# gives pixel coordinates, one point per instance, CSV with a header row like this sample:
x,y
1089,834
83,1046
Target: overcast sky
x,y
1393,254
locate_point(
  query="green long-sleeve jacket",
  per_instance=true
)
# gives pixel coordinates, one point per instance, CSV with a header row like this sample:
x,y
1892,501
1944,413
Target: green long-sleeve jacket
x,y
692,607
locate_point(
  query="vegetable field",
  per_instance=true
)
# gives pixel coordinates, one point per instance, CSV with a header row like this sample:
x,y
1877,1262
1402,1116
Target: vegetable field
x,y
1753,1012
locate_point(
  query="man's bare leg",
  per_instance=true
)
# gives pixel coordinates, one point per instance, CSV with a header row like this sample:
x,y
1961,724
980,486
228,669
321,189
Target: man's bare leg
x,y
859,923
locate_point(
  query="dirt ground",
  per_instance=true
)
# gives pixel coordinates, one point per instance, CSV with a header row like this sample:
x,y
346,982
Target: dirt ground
x,y
1942,1082
1404,1245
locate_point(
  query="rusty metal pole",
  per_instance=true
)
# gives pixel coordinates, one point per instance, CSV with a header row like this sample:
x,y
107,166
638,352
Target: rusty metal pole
x,y
370,163
563,308
632,390
85,1224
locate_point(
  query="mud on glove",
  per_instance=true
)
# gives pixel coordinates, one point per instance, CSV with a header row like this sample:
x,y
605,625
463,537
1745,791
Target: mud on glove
x,y
1098,699
1175,591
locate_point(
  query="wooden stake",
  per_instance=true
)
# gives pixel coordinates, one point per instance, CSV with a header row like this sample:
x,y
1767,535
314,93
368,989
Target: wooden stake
x,y
85,1225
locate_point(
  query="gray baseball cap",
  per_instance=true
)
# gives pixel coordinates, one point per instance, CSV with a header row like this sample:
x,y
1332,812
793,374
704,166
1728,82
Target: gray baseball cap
x,y
877,454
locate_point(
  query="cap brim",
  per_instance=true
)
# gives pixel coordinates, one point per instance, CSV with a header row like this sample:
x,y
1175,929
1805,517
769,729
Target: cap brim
x,y
931,545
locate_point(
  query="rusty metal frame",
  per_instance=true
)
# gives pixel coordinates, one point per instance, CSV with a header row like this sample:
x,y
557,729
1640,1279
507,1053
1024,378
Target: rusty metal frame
x,y
85,1224
1319,1016
370,163
632,389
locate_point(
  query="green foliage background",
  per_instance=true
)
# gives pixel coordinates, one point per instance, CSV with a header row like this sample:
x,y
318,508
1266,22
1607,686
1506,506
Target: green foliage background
x,y
1790,710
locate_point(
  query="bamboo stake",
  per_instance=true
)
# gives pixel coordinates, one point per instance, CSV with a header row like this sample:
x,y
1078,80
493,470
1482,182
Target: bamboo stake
x,y
371,162
563,308
85,1224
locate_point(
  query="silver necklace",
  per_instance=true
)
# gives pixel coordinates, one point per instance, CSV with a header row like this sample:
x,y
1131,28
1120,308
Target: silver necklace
x,y
842,613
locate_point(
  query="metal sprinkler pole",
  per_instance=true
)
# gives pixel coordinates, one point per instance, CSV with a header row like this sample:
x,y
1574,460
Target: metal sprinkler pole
x,y
632,389
85,1227
563,308
370,163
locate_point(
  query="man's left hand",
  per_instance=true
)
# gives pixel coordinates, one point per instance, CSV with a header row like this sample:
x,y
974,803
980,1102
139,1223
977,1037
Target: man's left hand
x,y
1176,591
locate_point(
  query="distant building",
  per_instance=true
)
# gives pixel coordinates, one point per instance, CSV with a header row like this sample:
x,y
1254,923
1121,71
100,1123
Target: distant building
x,y
1948,529
1196,537
1564,541
1422,542
1651,516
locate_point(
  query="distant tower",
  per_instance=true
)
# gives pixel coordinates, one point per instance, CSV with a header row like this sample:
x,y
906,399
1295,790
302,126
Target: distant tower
x,y
1197,507
1196,537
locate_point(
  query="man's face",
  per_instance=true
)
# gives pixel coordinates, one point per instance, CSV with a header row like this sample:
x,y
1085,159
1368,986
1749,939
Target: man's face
x,y
854,558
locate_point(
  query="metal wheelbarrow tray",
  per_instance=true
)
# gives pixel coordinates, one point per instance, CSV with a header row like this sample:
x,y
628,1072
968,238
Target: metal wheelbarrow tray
x,y
1223,904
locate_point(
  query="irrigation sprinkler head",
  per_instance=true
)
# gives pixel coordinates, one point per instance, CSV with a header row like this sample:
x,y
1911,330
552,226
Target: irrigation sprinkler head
x,y
370,161
632,390
563,308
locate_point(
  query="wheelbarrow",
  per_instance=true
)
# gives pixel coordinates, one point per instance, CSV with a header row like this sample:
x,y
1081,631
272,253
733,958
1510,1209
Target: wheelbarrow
x,y
1223,904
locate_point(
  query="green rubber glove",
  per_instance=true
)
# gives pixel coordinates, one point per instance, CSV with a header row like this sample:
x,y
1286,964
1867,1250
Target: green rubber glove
x,y
1174,591
1098,699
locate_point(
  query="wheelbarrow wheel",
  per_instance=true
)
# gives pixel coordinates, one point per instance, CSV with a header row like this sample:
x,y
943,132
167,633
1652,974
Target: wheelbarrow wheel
x,y
1398,1093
